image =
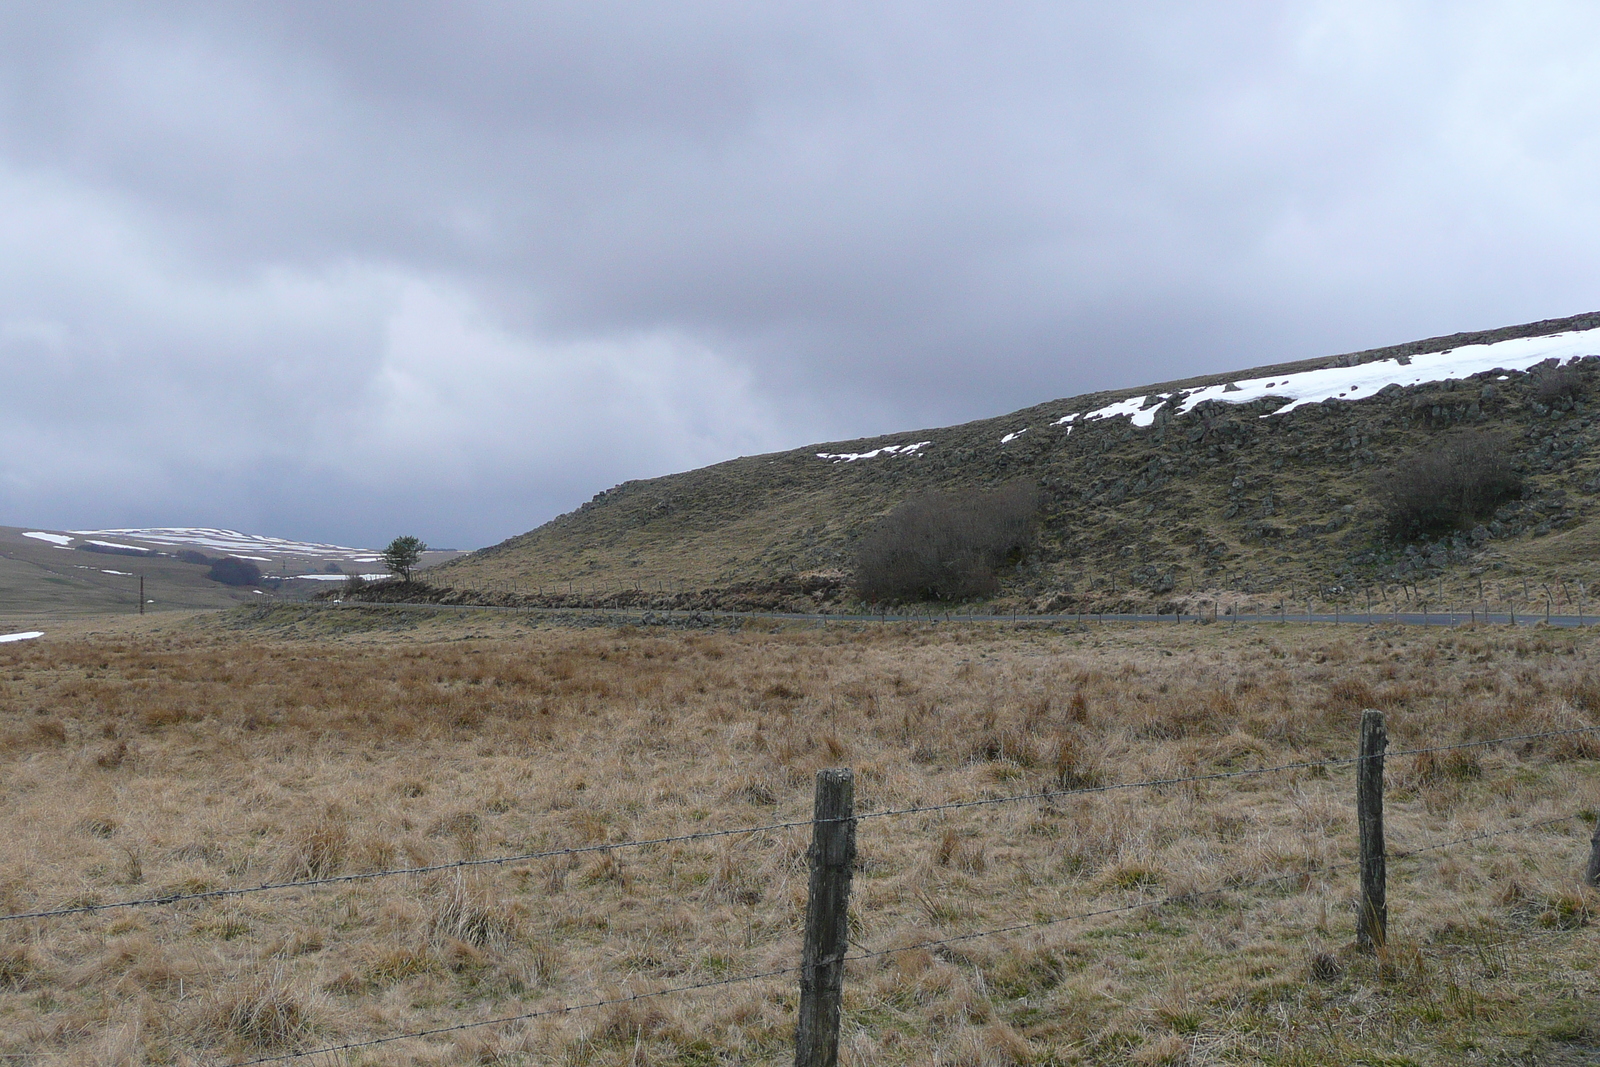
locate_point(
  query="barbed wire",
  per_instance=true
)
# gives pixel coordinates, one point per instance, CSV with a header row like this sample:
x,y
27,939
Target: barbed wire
x,y
524,1017
1491,741
1190,895
1171,899
435,1031
1522,939
1214,776
1481,836
168,899
363,876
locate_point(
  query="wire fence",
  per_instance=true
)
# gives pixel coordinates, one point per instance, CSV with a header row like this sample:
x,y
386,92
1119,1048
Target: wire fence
x,y
1176,899
1423,613
527,1016
821,825
1561,599
167,899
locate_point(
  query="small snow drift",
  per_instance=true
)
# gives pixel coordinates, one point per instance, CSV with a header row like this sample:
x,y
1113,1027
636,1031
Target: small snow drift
x,y
27,635
112,548
340,577
886,450
59,540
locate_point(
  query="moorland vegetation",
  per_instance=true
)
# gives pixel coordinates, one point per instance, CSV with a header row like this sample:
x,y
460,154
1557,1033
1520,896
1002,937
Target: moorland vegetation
x,y
296,743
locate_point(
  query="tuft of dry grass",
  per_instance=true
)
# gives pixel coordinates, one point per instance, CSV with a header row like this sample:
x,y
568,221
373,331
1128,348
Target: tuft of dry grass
x,y
262,1012
19,965
470,910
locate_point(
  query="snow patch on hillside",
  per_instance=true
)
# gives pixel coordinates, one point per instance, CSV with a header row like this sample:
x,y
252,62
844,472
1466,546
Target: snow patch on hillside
x,y
341,577
1364,379
234,543
886,450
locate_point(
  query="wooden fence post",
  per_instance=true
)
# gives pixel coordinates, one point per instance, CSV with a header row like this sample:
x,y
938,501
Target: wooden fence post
x,y
1372,923
1591,874
833,854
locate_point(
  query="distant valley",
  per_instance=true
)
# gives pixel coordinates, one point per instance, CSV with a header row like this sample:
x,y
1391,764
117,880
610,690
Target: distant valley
x,y
47,572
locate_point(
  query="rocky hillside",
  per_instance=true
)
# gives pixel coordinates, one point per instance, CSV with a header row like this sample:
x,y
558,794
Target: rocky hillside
x,y
1258,483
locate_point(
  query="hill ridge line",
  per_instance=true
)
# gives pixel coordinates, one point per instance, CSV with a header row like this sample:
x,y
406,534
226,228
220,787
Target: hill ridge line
x,y
1183,498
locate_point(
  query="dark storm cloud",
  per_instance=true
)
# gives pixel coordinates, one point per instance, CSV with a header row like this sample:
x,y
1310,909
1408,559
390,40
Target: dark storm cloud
x,y
331,270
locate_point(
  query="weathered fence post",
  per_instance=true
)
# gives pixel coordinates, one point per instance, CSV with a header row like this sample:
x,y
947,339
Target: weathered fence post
x,y
833,854
1372,922
1591,874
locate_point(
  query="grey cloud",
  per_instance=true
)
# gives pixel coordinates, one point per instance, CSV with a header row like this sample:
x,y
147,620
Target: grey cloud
x,y
478,260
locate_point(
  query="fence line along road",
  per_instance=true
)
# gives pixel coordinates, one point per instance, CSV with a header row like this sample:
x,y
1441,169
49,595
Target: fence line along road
x,y
700,835
1361,618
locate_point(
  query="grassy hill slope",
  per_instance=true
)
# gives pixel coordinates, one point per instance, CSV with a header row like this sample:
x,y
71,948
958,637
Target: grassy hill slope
x,y
1194,505
40,580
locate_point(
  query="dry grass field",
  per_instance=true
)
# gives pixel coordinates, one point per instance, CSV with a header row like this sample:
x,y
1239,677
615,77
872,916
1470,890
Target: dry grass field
x,y
184,754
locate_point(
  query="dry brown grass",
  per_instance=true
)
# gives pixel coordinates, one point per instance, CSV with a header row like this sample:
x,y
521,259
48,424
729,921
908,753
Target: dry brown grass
x,y
190,758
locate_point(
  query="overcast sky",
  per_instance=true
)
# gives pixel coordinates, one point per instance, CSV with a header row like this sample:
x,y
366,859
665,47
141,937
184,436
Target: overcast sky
x,y
338,271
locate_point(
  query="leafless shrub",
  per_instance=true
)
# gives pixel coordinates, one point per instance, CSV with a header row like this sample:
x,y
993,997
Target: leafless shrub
x,y
1440,489
1558,383
946,546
